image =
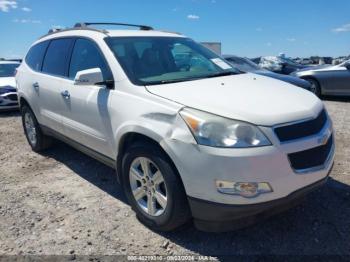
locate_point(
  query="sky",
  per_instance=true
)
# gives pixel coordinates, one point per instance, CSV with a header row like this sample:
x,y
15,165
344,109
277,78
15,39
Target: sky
x,y
251,28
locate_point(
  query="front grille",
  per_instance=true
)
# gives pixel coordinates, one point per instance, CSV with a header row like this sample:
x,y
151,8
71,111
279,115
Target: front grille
x,y
12,97
303,129
310,158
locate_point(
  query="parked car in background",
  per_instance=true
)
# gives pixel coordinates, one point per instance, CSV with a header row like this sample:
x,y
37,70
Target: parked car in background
x,y
8,92
339,60
326,60
327,80
255,60
321,60
281,65
246,65
305,61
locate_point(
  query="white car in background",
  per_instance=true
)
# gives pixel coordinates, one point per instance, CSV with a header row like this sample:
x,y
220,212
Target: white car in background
x,y
193,138
8,92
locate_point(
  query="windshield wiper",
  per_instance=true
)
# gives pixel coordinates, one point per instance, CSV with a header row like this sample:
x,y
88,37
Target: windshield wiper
x,y
172,81
229,73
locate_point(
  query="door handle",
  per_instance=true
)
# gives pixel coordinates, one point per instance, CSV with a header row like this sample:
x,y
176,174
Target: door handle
x,y
36,86
65,94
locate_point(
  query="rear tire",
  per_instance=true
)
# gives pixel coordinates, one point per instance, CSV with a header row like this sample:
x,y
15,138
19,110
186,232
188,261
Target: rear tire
x,y
172,211
35,137
315,86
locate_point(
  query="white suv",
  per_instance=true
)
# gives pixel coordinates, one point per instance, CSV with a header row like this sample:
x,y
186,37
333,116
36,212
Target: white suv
x,y
189,136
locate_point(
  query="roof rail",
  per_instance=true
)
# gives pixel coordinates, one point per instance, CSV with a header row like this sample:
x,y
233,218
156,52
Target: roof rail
x,y
54,30
58,30
86,24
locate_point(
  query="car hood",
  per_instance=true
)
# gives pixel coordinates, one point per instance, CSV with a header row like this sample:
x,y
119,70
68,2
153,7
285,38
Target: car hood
x,y
287,78
7,81
248,97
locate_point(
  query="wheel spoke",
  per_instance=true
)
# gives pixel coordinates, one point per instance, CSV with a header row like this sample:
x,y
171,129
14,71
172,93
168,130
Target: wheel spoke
x,y
161,199
135,174
157,178
145,166
138,193
151,205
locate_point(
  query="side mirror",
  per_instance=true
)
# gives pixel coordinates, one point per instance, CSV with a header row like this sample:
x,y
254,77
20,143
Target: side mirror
x,y
89,77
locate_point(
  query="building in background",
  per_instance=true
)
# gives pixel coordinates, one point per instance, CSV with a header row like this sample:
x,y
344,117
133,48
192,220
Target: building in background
x,y
214,46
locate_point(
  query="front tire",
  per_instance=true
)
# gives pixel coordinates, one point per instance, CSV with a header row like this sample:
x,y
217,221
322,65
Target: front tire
x,y
153,188
35,137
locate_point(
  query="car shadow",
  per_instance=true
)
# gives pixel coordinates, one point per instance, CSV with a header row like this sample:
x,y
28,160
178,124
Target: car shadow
x,y
319,225
336,98
9,113
87,168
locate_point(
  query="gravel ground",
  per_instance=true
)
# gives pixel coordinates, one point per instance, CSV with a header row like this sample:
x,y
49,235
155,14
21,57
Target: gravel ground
x,y
62,202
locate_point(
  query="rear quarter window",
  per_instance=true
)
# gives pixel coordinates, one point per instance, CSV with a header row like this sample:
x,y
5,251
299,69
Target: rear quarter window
x,y
34,58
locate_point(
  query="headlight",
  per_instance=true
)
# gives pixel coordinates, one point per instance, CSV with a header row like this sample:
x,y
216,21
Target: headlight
x,y
216,131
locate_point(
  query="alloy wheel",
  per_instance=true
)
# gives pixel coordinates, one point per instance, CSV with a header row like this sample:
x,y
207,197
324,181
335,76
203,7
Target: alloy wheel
x,y
148,186
313,88
30,128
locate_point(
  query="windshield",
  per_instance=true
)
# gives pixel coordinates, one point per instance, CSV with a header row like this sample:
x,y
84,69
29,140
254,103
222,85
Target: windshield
x,y
8,70
160,60
243,64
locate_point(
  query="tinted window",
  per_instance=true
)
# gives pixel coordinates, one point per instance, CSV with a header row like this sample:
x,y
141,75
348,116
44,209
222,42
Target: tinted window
x,y
57,57
35,55
86,55
8,70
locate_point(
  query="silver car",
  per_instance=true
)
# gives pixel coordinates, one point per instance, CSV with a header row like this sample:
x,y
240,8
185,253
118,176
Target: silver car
x,y
327,80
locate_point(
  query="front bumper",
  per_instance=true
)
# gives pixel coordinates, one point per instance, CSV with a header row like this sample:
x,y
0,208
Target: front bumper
x,y
201,166
9,101
214,217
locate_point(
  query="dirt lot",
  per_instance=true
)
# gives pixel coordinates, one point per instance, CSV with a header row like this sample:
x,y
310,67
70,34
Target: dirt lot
x,y
63,202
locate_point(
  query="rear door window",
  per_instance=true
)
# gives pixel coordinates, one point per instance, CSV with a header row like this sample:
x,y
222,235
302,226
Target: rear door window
x,y
34,58
57,57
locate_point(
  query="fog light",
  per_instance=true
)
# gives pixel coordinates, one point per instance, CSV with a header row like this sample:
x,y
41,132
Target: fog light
x,y
244,189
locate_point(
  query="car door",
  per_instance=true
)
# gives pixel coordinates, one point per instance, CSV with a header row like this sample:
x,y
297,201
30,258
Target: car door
x,y
335,80
343,79
85,117
47,83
